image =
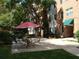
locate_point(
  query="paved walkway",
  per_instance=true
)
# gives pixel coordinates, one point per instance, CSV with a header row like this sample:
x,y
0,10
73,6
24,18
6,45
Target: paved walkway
x,y
68,44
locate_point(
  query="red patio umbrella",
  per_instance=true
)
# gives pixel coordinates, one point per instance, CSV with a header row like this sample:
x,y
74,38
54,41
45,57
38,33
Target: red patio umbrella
x,y
26,25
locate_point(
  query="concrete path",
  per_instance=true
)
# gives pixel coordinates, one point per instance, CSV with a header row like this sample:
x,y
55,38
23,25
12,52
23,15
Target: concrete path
x,y
68,44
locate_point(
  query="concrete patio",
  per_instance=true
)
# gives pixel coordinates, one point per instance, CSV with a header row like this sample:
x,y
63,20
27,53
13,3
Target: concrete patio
x,y
68,44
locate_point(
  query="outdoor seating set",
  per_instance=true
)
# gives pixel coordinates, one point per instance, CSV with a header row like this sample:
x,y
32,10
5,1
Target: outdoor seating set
x,y
25,40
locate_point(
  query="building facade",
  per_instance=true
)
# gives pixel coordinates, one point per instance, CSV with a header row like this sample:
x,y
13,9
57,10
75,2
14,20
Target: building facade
x,y
70,15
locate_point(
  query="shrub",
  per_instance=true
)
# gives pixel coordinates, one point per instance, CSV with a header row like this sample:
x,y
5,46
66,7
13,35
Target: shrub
x,y
5,37
77,35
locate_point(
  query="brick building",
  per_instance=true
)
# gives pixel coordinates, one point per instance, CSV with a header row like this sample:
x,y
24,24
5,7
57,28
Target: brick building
x,y
70,19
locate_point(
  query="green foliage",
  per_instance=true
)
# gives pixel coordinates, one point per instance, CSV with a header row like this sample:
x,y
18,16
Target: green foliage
x,y
77,35
5,37
47,3
11,4
6,19
5,14
19,15
3,8
22,9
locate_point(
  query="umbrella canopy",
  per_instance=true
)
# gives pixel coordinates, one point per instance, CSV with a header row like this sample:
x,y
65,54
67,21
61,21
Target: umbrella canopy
x,y
26,25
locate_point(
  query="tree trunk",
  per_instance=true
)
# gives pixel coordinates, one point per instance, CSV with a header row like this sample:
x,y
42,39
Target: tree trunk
x,y
45,23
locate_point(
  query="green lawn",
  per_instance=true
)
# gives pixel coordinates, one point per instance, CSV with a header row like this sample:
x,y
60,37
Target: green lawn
x,y
51,54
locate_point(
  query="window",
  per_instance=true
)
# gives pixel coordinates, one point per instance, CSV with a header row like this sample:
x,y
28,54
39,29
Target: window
x,y
69,11
61,1
76,0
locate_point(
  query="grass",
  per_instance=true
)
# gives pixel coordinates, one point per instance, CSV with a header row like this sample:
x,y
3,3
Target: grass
x,y
49,54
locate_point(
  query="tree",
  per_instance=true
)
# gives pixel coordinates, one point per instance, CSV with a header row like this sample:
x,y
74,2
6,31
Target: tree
x,y
25,7
46,5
